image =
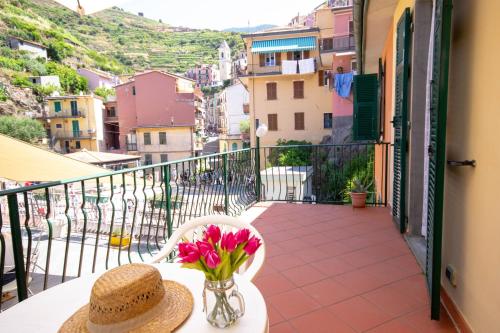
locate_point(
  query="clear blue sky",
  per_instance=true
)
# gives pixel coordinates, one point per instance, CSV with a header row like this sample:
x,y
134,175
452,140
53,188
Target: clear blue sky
x,y
220,14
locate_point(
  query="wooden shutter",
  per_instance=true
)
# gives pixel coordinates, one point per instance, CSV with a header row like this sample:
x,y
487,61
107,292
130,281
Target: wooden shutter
x,y
437,150
271,90
272,122
262,59
299,120
365,93
400,120
298,89
278,59
321,78
289,56
307,54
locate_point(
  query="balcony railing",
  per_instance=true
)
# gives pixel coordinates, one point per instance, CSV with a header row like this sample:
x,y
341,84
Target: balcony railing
x,y
338,44
65,229
74,134
338,4
131,146
80,113
303,66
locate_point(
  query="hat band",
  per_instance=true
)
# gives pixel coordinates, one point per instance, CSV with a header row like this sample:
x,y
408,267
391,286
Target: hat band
x,y
132,323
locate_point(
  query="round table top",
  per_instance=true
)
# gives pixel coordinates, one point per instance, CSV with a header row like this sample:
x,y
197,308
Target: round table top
x,y
48,310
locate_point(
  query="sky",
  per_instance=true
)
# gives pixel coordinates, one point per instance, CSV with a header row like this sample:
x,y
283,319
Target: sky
x,y
220,14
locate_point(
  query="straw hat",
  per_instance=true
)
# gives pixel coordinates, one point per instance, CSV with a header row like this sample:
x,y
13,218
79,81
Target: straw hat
x,y
132,298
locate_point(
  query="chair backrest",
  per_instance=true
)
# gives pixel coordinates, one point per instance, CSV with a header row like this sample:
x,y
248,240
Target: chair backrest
x,y
188,230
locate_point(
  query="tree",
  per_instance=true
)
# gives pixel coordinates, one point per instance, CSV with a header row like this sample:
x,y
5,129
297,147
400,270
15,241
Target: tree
x,y
104,92
245,126
25,129
70,80
293,156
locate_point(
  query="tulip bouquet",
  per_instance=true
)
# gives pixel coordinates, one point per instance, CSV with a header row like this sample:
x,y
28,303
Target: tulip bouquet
x,y
218,256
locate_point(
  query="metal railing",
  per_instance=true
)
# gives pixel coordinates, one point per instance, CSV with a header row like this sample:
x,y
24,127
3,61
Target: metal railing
x,y
62,230
338,44
80,113
73,134
337,4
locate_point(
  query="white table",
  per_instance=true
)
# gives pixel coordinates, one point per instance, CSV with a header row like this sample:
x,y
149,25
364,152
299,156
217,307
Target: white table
x,y
47,311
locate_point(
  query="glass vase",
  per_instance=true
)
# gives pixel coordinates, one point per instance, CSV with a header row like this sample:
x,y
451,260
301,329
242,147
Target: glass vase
x,y
222,302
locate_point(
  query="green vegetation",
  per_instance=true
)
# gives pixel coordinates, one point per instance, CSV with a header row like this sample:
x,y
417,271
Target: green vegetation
x,y
25,129
104,92
292,156
3,94
245,126
70,80
22,81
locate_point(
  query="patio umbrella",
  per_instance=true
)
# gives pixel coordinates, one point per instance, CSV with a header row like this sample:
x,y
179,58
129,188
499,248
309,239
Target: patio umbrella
x,y
89,6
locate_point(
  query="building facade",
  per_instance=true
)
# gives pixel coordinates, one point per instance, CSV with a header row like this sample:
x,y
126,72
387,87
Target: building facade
x,y
287,87
46,80
98,79
34,49
225,61
74,123
232,101
156,116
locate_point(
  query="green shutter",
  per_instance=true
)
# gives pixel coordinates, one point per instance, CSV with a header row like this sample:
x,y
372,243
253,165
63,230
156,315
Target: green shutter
x,y
365,93
400,121
437,150
57,106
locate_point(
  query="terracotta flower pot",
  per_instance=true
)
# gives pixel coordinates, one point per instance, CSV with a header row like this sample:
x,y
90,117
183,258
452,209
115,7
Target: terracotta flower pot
x,y
358,199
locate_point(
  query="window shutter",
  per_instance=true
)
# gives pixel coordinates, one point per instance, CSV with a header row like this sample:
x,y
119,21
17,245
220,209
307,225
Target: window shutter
x,y
306,54
299,121
289,56
278,59
271,91
272,122
321,78
262,60
298,89
365,107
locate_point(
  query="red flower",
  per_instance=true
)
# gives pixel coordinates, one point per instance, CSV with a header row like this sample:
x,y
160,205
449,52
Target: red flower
x,y
204,247
242,236
252,245
228,242
212,259
188,252
212,233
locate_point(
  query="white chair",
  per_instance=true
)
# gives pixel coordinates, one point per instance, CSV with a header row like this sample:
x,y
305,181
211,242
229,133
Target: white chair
x,y
188,230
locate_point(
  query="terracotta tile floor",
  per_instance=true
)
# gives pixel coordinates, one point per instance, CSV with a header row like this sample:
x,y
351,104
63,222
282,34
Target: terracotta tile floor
x,y
335,269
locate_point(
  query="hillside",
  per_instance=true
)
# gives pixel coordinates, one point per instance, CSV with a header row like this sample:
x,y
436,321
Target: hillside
x,y
249,30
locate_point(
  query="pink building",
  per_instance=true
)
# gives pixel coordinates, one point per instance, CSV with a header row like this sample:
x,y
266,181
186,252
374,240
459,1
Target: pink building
x,y
153,99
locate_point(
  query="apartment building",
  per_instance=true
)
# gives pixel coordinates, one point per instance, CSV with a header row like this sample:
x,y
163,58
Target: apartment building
x,y
74,123
98,79
156,116
233,102
288,88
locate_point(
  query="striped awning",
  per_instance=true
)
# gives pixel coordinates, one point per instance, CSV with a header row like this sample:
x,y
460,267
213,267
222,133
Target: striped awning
x,y
284,45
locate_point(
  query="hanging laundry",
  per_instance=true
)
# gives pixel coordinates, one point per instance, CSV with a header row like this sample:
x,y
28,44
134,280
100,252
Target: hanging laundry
x,y
343,83
306,66
289,66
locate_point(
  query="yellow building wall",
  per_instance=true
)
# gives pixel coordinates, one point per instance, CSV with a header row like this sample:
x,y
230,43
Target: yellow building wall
x,y
179,143
471,235
227,144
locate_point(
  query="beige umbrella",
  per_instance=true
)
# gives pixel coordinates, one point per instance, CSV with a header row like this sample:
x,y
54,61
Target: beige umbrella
x,y
89,6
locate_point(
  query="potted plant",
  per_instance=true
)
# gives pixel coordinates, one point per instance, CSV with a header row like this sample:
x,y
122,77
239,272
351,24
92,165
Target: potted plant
x,y
358,191
116,236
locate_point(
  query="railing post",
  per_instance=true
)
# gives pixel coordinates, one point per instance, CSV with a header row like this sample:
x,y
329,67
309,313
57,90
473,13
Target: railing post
x,y
166,179
257,170
17,246
226,198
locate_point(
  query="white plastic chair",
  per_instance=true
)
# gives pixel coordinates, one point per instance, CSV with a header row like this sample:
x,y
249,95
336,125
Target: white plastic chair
x,y
187,230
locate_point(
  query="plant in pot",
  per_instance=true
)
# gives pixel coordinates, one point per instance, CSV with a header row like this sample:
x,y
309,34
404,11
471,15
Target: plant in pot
x,y
117,240
358,190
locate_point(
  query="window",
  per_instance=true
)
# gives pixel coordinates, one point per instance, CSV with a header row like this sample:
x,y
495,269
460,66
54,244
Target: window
x,y
351,27
327,44
58,125
365,107
257,123
272,121
164,158
299,121
147,138
298,89
272,91
133,90
148,159
57,106
78,145
163,138
269,59
323,78
327,120
354,65
112,112
234,146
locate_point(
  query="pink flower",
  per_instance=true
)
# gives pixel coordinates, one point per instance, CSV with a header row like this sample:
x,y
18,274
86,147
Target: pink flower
x,y
204,247
212,259
242,236
188,252
212,233
252,245
228,242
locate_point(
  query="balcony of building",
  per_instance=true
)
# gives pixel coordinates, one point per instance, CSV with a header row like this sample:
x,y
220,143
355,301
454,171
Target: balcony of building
x,y
65,114
337,44
284,67
69,135
328,267
340,4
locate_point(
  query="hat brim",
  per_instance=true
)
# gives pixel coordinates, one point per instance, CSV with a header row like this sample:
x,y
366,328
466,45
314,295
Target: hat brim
x,y
179,305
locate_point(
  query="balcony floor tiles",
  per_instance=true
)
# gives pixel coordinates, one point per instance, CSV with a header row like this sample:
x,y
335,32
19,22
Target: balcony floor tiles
x,y
334,269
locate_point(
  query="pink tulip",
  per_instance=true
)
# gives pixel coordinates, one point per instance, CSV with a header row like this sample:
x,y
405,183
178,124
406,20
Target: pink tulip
x,y
228,242
188,252
212,259
252,245
242,236
204,247
212,233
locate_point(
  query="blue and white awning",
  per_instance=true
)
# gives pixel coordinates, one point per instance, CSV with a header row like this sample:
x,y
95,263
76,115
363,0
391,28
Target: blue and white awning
x,y
284,45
